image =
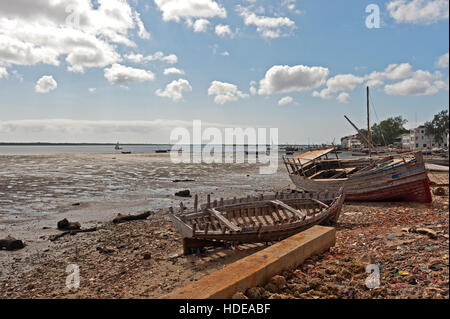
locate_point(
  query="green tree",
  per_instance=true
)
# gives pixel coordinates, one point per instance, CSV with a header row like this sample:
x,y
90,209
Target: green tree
x,y
388,130
385,132
438,127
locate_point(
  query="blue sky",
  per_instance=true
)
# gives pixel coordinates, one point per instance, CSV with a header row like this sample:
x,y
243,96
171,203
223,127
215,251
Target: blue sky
x,y
316,56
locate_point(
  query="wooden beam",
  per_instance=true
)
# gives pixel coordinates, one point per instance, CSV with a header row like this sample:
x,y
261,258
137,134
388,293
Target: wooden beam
x,y
222,220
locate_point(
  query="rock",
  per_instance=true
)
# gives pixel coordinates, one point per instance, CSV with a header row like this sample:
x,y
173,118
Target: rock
x,y
278,281
314,283
299,288
105,250
279,296
440,191
431,233
390,237
10,243
183,193
271,287
255,292
239,295
66,225
147,256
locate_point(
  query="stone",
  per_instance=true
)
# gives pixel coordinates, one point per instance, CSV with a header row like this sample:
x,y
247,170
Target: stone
x,y
239,295
183,193
278,281
255,292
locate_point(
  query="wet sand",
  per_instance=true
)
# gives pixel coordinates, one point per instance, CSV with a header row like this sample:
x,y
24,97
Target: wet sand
x,y
38,190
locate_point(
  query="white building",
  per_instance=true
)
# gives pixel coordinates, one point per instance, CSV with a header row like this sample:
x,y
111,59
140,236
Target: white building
x,y
419,140
403,141
351,142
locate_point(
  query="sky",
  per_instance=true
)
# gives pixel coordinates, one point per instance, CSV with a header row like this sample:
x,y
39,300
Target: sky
x,y
132,71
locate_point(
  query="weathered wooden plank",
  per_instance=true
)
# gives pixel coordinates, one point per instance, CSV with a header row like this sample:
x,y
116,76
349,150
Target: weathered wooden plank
x,y
223,220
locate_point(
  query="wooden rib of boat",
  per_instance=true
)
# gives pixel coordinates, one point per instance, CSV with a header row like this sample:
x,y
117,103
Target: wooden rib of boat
x,y
397,177
254,219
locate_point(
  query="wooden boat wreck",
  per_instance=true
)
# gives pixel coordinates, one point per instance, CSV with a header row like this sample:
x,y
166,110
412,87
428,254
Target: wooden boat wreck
x,y
396,177
254,219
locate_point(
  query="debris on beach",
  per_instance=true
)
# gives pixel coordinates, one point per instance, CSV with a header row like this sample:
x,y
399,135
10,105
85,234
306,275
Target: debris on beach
x,y
184,193
72,232
11,243
125,218
64,224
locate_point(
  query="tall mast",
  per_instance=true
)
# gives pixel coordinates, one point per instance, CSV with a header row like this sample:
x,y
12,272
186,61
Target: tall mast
x,y
369,134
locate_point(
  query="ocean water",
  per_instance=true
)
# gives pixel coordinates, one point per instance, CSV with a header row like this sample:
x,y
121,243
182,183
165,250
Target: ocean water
x,y
44,149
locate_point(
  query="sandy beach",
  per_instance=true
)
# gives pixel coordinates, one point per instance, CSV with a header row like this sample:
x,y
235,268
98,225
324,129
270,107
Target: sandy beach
x,y
143,259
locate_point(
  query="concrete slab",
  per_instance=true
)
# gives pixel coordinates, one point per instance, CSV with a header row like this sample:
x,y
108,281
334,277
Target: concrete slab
x,y
258,268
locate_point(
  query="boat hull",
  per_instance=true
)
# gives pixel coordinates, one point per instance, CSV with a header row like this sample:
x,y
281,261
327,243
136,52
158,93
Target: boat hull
x,y
403,183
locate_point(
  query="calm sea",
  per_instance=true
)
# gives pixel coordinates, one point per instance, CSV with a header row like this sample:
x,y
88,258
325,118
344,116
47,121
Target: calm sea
x,y
102,149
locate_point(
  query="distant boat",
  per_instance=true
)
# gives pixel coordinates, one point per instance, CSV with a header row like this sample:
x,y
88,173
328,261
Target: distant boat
x,y
161,151
117,147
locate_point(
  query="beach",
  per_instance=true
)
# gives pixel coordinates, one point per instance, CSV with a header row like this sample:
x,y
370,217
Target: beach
x,y
143,259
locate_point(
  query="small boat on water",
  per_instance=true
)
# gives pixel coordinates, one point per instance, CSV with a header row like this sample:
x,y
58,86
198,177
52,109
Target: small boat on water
x,y
254,219
393,177
117,147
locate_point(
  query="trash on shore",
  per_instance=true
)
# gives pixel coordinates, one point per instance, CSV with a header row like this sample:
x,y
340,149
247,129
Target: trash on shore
x,y
11,243
125,218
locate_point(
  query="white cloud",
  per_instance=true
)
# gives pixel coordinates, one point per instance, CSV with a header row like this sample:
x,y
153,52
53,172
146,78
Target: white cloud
x,y
343,82
157,56
268,27
225,53
120,74
285,100
174,90
343,98
284,79
169,71
176,10
43,31
224,31
442,61
45,84
201,25
225,92
418,11
3,72
340,82
290,5
92,90
420,83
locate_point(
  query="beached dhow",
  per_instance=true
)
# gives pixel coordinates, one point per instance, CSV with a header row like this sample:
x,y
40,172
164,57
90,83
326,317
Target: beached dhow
x,y
397,177
254,219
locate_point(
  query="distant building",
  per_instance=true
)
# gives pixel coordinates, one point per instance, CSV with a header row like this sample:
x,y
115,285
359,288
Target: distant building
x,y
419,140
351,142
403,141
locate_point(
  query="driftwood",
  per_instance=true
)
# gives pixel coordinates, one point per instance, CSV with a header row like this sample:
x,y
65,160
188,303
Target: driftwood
x,y
125,218
72,232
10,243
66,225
